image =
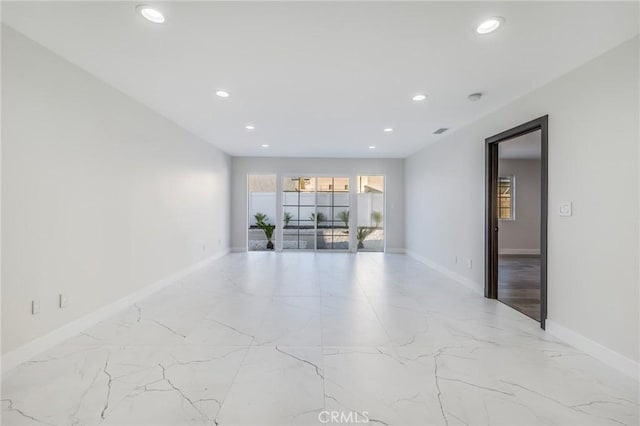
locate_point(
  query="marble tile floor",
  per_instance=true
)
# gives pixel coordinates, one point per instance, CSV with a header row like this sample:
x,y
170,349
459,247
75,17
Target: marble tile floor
x,y
289,338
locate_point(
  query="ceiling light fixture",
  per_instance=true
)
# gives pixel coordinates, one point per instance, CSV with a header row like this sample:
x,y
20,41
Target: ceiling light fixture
x,y
372,147
388,129
419,98
264,145
250,127
151,14
490,25
222,93
474,97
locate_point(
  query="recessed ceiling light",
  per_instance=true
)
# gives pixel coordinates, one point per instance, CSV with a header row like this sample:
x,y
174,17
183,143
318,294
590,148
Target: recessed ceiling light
x,y
490,25
222,93
250,127
264,145
388,129
474,97
372,147
151,14
420,97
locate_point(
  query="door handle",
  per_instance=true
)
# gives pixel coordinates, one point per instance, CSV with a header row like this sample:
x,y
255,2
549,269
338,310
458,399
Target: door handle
x,y
495,229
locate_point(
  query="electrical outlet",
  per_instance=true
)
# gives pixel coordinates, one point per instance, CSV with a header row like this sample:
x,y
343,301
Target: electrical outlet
x,y
456,260
565,209
219,242
469,263
63,301
35,307
204,247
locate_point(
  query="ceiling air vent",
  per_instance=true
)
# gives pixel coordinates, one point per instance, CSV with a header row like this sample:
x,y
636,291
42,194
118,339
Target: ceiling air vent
x,y
441,130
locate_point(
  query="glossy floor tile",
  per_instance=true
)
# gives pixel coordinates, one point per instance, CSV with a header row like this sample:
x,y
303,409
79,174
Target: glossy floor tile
x,y
308,339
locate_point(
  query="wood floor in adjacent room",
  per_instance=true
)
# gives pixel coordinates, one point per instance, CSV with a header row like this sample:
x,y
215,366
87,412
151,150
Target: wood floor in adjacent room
x,y
519,283
283,338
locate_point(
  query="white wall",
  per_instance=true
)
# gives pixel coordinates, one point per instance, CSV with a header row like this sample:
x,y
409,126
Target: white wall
x,y
593,162
100,195
522,235
392,169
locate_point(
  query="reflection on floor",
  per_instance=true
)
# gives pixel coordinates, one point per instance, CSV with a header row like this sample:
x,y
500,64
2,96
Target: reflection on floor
x,y
519,283
287,338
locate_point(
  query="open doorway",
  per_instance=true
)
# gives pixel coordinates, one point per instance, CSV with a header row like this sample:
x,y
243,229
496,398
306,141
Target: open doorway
x,y
516,218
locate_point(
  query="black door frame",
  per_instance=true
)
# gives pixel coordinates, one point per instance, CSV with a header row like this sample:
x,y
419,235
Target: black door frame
x,y
491,209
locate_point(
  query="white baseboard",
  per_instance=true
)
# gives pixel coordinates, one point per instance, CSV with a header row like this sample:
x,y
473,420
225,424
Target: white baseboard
x,y
618,361
519,251
40,344
395,250
469,283
238,249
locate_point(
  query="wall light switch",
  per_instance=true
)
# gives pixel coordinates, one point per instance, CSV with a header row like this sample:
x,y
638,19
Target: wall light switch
x,y
64,301
35,307
565,209
469,263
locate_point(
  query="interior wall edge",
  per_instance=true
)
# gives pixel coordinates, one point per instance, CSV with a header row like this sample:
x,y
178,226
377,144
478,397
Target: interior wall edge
x,y
476,287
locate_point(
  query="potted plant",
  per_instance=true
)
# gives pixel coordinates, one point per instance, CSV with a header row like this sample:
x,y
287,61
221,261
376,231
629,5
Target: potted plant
x,y
260,218
268,232
362,234
318,218
266,227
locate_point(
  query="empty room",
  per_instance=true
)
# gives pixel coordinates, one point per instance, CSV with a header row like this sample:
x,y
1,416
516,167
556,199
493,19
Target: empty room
x,y
318,212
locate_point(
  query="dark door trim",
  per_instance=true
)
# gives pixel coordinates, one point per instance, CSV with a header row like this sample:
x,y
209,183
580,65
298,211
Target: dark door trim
x,y
491,207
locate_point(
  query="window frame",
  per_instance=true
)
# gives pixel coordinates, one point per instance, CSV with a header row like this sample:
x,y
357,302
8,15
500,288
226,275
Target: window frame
x,y
512,184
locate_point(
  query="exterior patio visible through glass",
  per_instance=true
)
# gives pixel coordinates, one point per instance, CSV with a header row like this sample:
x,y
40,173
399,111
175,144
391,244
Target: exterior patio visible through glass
x,y
299,212
262,212
316,213
332,218
370,229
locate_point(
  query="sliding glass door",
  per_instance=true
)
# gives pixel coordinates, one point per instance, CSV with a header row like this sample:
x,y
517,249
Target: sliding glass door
x,y
262,212
315,213
299,210
332,217
370,223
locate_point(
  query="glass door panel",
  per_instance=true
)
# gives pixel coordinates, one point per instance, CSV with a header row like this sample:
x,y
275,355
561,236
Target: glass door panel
x,y
262,212
299,208
333,213
370,222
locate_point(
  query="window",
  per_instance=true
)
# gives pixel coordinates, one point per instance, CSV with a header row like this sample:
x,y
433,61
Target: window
x,y
315,213
506,191
370,220
262,209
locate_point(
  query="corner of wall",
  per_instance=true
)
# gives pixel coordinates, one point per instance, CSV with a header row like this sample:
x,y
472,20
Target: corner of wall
x,y
470,284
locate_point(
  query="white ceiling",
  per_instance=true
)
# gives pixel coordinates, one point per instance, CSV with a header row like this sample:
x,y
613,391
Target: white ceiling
x,y
323,78
525,147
